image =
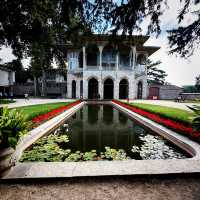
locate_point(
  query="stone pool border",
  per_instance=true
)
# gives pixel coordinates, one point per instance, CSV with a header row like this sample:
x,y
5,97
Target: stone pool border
x,y
105,168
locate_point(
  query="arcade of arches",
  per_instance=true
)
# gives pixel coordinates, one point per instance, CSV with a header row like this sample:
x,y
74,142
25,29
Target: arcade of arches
x,y
107,89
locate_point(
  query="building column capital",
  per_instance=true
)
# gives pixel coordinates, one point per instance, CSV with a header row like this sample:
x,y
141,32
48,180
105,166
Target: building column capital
x,y
100,48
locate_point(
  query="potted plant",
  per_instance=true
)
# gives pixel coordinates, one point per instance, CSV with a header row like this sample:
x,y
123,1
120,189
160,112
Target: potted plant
x,y
13,124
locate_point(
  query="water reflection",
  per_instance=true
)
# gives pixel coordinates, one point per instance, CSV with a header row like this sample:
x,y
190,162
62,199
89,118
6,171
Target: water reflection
x,y
107,114
97,126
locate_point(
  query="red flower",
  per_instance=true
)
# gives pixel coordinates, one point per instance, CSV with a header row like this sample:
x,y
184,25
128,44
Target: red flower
x,y
187,130
41,118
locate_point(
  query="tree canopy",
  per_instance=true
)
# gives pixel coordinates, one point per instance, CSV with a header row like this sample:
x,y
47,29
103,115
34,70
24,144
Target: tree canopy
x,y
155,75
50,22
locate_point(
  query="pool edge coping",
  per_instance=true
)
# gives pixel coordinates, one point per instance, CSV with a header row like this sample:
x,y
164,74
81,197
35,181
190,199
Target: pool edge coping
x,y
110,168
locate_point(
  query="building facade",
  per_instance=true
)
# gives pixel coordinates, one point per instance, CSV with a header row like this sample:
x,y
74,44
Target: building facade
x,y
102,67
7,79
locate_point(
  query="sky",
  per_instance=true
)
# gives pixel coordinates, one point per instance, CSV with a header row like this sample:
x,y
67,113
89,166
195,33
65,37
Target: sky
x,y
180,71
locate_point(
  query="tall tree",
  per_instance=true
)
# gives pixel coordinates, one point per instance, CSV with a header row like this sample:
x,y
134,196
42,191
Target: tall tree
x,y
197,84
155,75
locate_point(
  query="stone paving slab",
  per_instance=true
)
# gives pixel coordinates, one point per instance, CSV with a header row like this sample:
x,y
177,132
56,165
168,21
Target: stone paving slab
x,y
103,168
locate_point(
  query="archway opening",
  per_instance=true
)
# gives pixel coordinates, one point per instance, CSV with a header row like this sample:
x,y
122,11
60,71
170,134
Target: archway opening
x,y
92,89
108,89
73,89
123,89
139,92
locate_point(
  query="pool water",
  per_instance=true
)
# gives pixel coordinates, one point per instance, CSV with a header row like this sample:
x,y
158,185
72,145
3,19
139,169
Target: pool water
x,y
96,126
99,127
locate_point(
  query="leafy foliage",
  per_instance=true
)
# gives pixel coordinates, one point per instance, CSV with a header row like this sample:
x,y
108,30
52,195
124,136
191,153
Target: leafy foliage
x,y
47,149
155,75
154,147
6,101
197,84
13,124
53,148
57,21
196,119
190,88
113,154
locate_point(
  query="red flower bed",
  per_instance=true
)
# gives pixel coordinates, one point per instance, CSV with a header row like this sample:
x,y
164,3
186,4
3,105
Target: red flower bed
x,y
182,128
44,117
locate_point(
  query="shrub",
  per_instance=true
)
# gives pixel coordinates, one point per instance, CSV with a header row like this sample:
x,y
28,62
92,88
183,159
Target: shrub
x,y
13,125
196,119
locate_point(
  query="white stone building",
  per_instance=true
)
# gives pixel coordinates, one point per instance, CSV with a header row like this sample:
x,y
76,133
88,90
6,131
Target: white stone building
x,y
108,67
7,79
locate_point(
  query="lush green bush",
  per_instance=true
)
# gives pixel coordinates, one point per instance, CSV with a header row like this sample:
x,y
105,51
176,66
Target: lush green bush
x,y
6,101
13,124
196,119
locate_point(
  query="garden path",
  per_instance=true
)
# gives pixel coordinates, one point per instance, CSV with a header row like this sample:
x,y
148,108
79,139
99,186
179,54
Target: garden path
x,y
102,188
167,103
34,101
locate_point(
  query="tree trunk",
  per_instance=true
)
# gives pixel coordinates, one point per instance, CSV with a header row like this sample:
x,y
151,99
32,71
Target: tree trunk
x,y
44,85
36,87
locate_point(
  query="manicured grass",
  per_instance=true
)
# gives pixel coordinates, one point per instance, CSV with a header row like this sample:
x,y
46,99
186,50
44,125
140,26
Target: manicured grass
x,y
6,101
35,110
167,112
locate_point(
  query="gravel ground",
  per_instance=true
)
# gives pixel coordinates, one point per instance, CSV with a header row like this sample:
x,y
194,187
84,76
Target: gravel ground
x,y
134,188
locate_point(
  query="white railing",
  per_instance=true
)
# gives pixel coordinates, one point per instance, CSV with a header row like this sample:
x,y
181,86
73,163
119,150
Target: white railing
x,y
140,70
92,68
125,68
108,68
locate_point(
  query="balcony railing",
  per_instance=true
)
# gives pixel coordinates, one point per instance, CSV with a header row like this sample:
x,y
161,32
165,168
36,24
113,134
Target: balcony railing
x,y
125,67
92,68
140,70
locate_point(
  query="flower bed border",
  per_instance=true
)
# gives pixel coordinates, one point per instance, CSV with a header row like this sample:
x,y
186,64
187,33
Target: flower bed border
x,y
44,117
177,126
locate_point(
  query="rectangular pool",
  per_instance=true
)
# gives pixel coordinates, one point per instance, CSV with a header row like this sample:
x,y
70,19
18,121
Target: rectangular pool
x,y
101,132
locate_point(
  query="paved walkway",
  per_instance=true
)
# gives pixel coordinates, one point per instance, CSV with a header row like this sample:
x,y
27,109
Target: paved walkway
x,y
34,101
96,188
167,103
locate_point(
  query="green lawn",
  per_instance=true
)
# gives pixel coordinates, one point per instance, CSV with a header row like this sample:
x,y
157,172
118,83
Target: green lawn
x,y
35,110
167,112
6,101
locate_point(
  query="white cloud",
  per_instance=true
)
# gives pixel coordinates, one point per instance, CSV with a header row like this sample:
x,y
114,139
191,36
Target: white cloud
x,y
6,54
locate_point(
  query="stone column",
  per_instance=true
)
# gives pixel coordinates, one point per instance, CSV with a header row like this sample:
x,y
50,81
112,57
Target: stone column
x,y
69,87
131,91
133,49
117,61
77,88
116,89
100,57
84,58
100,85
85,88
